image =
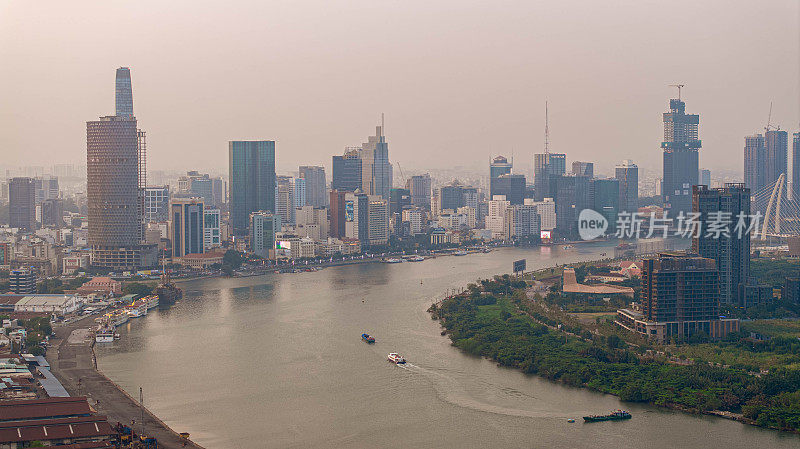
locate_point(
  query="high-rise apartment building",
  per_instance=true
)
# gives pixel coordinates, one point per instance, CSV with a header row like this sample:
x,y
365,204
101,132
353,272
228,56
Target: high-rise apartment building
x,y
521,221
680,147
627,173
187,231
377,220
156,204
776,147
420,187
495,219
356,217
546,209
583,169
252,181
729,249
264,227
316,185
299,185
755,162
22,204
680,293
347,170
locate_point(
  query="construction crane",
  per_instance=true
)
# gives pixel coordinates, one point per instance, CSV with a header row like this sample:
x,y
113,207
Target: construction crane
x,y
401,173
679,89
769,126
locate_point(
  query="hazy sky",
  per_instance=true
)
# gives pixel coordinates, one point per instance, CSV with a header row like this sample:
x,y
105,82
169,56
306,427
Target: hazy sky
x,y
458,80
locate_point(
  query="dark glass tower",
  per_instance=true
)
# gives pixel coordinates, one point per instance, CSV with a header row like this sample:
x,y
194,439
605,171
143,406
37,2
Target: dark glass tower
x,y
252,181
124,93
681,147
347,171
498,167
796,165
22,204
731,253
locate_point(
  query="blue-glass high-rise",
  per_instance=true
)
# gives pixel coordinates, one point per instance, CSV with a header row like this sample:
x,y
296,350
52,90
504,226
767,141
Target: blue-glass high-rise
x,y
681,147
124,93
252,181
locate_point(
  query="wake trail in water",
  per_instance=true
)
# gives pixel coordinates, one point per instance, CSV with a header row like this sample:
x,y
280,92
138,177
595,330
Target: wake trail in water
x,y
453,391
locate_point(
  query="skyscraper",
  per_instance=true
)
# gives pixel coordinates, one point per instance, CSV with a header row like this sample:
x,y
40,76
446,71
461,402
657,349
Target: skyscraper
x,y
420,187
755,162
112,190
511,186
22,204
316,185
605,199
337,214
252,181
187,231
347,169
776,146
572,195
156,204
376,171
627,173
285,199
583,169
546,168
681,147
115,185
796,165
705,177
498,167
730,251
124,93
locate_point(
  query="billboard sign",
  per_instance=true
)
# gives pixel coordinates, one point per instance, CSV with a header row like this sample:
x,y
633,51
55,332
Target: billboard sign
x,y
520,265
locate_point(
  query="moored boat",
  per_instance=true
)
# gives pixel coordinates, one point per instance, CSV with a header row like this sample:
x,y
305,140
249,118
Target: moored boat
x,y
137,308
616,415
104,334
396,358
167,292
460,253
152,301
416,259
392,260
119,317
367,338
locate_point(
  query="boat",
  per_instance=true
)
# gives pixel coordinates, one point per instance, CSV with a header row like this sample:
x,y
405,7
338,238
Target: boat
x,y
569,246
167,292
616,415
152,301
396,358
137,308
416,259
571,420
392,260
460,253
367,338
104,334
118,317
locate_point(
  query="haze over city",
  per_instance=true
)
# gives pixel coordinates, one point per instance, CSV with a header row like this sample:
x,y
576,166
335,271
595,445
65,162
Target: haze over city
x,y
458,81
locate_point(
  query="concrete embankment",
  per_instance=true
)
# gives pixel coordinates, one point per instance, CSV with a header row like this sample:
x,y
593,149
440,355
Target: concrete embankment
x,y
72,360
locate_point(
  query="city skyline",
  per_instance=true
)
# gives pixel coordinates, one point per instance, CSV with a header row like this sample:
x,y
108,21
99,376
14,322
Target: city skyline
x,y
192,116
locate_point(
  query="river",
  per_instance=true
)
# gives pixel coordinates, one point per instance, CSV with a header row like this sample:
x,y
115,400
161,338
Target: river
x,y
277,361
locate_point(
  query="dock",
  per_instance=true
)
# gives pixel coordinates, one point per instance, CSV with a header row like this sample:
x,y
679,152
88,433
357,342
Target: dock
x,y
72,361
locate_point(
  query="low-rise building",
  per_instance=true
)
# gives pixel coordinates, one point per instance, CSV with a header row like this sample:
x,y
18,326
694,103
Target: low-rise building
x,y
103,285
55,304
202,261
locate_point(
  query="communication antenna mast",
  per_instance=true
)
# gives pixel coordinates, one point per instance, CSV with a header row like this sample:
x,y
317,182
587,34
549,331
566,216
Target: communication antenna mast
x,y
383,126
679,89
546,129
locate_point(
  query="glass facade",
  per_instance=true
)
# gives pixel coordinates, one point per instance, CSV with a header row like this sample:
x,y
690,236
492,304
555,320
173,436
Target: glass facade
x,y
252,181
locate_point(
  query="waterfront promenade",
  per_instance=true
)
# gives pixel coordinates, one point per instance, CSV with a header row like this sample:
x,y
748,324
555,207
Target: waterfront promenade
x,y
72,360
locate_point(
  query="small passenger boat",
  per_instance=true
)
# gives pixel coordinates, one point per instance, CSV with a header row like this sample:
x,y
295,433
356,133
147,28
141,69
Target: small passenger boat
x,y
367,338
396,358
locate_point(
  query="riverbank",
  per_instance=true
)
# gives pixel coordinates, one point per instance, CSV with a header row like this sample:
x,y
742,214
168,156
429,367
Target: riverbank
x,y
74,364
486,321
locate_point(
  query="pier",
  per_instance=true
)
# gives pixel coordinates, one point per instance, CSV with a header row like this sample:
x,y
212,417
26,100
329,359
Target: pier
x,y
72,360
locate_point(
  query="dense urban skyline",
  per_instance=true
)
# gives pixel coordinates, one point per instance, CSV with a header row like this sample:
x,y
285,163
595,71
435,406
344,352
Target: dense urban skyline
x,y
194,98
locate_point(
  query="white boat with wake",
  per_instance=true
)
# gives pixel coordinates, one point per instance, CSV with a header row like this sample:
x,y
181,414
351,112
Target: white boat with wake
x,y
396,358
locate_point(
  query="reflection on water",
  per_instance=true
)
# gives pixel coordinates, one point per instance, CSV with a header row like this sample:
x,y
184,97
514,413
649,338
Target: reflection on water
x,y
277,361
